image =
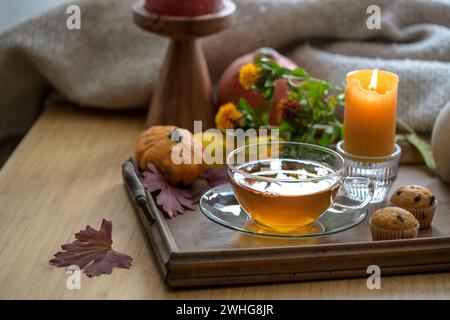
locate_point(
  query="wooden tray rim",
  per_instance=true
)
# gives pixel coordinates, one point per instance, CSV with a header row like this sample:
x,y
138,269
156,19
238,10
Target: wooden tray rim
x,y
305,262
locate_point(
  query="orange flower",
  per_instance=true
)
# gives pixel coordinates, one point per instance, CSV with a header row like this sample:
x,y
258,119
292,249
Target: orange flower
x,y
249,74
228,116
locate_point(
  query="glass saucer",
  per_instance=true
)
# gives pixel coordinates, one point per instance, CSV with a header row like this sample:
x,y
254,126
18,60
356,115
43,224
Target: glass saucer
x,y
220,205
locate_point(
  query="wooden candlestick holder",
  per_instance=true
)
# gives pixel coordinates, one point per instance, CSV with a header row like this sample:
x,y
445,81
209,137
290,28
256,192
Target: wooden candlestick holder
x,y
183,92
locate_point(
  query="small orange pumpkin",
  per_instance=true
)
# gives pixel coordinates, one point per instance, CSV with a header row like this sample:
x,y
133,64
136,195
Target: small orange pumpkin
x,y
173,151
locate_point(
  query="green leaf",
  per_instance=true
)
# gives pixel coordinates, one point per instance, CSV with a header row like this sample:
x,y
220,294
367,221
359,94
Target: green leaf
x,y
339,127
268,93
258,111
265,117
420,144
269,83
310,134
341,98
300,72
404,126
245,105
424,148
329,135
332,102
285,127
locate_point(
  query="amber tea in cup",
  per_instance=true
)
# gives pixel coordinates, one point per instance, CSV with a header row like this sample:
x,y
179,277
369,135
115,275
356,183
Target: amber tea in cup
x,y
291,188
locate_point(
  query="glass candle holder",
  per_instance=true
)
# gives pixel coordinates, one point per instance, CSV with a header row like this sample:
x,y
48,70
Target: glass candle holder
x,y
381,170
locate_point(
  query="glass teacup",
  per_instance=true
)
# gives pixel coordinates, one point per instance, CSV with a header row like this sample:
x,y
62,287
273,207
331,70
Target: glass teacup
x,y
287,186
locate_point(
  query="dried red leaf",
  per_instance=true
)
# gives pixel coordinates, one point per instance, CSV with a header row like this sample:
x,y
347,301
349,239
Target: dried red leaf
x,y
173,200
213,178
92,252
216,177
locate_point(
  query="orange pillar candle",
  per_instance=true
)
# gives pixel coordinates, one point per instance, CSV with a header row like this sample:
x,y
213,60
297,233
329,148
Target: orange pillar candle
x,y
370,113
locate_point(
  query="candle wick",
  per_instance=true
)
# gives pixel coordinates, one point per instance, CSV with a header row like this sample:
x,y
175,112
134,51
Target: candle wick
x,y
373,80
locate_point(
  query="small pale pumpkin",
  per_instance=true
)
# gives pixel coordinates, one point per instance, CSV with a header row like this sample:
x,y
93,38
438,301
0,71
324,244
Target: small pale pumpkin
x,y
173,151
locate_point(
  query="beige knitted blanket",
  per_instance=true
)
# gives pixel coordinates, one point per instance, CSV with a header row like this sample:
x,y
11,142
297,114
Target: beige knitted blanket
x,y
111,63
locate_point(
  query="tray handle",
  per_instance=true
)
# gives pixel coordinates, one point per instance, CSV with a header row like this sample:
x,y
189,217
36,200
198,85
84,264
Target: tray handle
x,y
136,190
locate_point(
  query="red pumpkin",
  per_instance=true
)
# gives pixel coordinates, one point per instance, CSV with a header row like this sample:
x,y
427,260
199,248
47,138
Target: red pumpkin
x,y
230,90
183,7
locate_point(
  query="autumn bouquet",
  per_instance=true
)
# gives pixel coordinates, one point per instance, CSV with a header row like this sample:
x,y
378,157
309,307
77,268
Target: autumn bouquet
x,y
307,111
305,114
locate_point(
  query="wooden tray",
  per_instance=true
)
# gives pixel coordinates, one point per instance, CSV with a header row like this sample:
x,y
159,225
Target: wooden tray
x,y
192,251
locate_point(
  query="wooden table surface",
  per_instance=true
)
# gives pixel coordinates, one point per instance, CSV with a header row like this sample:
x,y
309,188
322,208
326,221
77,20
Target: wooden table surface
x,y
66,174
